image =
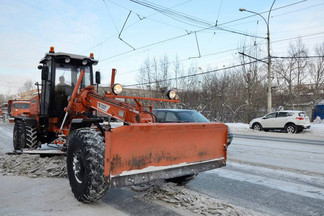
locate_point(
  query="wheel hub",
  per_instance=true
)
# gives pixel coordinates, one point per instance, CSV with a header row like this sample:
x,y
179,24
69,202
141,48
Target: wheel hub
x,y
78,168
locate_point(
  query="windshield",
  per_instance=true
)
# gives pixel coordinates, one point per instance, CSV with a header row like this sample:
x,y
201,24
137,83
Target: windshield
x,y
21,105
67,75
191,116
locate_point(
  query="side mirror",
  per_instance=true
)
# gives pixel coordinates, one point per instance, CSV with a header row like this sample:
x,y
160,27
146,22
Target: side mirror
x,y
40,67
45,72
264,118
97,77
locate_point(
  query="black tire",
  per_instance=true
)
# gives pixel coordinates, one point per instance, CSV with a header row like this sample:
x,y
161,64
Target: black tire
x,y
85,164
291,128
183,180
31,137
19,135
257,126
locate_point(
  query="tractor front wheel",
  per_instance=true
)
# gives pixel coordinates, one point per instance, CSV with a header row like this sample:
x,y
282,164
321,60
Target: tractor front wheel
x,y
182,180
85,164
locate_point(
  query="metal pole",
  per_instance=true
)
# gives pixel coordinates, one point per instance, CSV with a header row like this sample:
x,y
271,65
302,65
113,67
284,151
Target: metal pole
x,y
269,55
269,71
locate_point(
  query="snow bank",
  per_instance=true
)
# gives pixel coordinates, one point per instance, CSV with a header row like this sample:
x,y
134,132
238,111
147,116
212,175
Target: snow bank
x,y
197,203
315,132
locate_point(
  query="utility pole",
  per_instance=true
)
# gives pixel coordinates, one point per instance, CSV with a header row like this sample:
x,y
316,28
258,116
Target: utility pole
x,y
269,55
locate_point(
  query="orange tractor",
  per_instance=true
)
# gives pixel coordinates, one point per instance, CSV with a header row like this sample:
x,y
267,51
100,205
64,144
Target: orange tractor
x,y
99,156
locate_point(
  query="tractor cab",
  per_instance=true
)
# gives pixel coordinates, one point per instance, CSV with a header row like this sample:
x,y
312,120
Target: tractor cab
x,y
60,72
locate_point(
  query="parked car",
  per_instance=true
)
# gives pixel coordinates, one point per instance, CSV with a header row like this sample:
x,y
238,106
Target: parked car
x,y
184,115
291,121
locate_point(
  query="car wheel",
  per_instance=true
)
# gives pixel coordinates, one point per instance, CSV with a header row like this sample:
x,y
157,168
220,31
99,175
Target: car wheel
x,y
257,126
291,128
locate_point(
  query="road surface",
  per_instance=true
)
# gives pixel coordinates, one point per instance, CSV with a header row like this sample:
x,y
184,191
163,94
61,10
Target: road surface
x,y
270,175
276,176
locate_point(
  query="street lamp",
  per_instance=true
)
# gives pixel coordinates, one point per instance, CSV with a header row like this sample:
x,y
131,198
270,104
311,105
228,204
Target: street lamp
x,y
269,56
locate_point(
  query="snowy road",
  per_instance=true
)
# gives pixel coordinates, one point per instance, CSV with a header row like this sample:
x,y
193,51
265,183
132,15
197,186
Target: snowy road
x,y
277,176
274,175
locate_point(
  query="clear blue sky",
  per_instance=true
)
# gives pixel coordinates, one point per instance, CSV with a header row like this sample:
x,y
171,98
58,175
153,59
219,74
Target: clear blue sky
x,y
29,28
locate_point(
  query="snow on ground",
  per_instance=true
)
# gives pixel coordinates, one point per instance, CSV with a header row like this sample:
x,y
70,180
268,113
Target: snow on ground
x,y
52,196
181,197
316,131
33,165
293,182
21,195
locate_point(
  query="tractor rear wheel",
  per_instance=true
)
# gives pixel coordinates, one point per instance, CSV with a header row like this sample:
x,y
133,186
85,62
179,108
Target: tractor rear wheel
x,y
19,135
85,164
182,180
31,137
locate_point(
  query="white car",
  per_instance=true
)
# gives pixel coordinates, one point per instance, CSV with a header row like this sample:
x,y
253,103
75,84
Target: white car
x,y
291,121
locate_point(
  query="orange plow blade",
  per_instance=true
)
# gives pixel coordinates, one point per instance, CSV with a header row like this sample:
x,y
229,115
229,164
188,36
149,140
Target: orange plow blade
x,y
139,153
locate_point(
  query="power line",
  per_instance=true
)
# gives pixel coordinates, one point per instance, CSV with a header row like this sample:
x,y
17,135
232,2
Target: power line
x,y
220,52
100,44
187,19
296,57
140,19
111,16
309,35
180,36
253,15
215,53
193,75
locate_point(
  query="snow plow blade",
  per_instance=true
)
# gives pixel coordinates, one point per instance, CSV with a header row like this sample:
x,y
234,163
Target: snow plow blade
x,y
140,153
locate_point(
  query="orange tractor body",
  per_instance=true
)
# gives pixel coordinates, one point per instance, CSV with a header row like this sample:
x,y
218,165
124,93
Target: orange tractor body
x,y
99,156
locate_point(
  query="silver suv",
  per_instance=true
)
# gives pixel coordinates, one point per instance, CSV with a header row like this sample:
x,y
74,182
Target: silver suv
x,y
291,121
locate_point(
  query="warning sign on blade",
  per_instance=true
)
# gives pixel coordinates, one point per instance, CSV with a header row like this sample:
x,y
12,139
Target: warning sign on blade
x,y
103,107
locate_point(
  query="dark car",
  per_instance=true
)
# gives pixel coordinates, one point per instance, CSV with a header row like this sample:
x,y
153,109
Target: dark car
x,y
183,115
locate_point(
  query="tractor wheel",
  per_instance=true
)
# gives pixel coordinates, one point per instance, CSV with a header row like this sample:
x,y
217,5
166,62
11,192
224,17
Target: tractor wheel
x,y
19,135
85,164
182,180
31,137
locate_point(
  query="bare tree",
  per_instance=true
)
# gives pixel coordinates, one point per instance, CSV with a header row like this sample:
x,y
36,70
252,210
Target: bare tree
x,y
316,73
298,52
251,74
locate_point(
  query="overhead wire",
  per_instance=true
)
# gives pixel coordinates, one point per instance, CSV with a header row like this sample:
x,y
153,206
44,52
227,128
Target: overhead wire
x,y
199,30
111,16
187,19
130,25
234,49
100,44
169,39
192,75
219,10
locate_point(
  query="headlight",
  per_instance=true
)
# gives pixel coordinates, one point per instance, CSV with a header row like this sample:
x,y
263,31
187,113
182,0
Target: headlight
x,y
117,89
67,60
85,61
171,94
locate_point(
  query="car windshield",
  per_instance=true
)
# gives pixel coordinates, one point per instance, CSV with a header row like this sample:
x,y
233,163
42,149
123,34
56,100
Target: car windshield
x,y
191,116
